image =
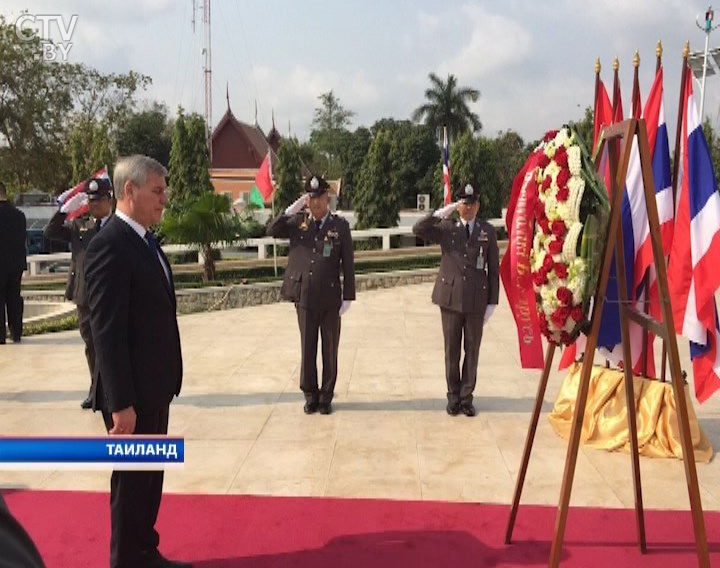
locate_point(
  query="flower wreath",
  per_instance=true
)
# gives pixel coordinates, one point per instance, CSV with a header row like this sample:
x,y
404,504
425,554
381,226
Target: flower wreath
x,y
571,214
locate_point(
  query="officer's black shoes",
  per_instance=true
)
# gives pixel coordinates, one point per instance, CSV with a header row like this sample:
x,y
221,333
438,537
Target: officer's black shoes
x,y
86,404
468,409
453,408
325,408
310,407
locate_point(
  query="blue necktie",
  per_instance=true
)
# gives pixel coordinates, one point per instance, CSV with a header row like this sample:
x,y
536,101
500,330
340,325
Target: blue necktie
x,y
154,250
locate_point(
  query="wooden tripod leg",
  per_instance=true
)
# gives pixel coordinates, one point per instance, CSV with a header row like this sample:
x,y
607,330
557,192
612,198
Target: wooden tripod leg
x,y
673,357
549,356
629,389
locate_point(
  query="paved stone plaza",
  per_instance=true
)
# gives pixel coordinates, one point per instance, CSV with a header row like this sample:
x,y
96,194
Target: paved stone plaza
x,y
242,418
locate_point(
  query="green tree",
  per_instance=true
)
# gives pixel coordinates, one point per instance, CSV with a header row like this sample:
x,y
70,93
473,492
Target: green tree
x,y
377,202
511,153
147,132
207,219
35,103
189,162
448,105
414,156
586,127
89,148
328,126
352,152
288,172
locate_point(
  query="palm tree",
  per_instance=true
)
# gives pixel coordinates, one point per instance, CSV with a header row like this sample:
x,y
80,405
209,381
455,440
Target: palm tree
x,y
447,105
208,219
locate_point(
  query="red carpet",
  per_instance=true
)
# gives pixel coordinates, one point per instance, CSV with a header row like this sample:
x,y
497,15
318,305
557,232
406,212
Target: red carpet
x,y
71,530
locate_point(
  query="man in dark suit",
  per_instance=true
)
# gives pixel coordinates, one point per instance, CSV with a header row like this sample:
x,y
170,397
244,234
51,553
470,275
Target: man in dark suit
x,y
12,265
466,289
320,242
97,195
138,366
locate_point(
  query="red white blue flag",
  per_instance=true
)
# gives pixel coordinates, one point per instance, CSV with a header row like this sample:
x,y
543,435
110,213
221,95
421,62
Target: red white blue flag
x,y
693,274
447,192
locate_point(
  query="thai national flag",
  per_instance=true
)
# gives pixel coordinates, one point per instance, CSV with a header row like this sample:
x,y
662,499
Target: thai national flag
x,y
693,274
447,193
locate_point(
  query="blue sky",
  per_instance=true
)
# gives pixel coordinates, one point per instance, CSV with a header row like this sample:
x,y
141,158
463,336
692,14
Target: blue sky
x,y
532,61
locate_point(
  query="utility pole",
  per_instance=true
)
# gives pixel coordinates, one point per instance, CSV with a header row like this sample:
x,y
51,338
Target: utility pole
x,y
707,27
207,71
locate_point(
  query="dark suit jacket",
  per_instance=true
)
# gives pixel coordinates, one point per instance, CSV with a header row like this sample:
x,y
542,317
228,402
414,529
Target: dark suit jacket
x,y
78,235
12,238
460,285
132,316
312,280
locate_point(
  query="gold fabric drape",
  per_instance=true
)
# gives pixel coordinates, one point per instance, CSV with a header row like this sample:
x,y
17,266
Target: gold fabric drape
x,y
605,422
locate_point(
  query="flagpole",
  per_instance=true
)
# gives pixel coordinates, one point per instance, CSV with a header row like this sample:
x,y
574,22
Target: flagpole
x,y
272,204
598,68
676,156
637,114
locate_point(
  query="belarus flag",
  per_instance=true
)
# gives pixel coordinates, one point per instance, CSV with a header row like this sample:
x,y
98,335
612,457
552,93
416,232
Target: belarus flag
x,y
693,274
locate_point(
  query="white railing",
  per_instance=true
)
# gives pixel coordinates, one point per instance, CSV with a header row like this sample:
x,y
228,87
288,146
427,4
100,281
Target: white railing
x,y
37,261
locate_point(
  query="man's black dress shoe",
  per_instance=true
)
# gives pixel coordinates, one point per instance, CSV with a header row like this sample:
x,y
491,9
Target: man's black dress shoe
x,y
453,408
310,407
468,409
86,404
325,408
157,560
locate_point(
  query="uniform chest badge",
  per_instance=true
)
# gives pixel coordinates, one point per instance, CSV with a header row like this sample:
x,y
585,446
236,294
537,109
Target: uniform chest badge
x,y
332,234
483,236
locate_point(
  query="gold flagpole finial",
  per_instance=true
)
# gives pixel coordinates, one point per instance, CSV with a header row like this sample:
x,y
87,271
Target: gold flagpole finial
x,y
686,49
598,67
636,59
616,64
658,49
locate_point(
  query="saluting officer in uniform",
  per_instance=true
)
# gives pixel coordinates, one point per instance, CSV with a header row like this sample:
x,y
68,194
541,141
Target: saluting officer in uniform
x,y
320,243
466,289
78,234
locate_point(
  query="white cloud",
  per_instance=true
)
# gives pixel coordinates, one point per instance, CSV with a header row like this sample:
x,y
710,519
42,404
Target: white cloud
x,y
495,42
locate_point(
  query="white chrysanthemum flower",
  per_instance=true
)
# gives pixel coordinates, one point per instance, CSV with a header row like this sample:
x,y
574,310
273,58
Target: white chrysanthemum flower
x,y
572,236
550,149
552,170
561,137
574,160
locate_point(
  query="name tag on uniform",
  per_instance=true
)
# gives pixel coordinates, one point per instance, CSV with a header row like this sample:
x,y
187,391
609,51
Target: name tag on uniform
x,y
327,249
480,261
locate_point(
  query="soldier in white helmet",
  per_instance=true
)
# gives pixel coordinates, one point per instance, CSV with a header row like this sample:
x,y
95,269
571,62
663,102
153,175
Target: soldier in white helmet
x,y
466,289
320,247
96,197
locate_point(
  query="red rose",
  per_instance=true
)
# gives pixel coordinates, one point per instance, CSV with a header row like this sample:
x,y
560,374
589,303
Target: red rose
x,y
549,135
561,157
560,270
577,313
546,183
548,263
563,193
545,225
558,229
543,323
563,177
540,277
565,337
564,295
543,161
560,316
555,246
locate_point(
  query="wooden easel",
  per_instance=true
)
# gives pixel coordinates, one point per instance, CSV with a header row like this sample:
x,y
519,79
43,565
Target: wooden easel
x,y
666,330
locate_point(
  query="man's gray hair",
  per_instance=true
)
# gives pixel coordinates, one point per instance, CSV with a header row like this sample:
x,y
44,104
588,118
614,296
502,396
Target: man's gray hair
x,y
135,169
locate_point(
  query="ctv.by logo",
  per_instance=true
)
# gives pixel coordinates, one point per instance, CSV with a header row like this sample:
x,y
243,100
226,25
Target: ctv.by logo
x,y
51,50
